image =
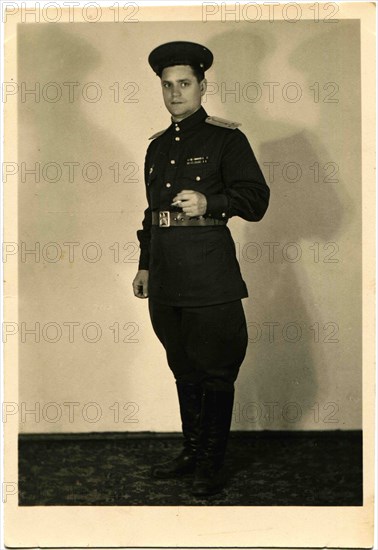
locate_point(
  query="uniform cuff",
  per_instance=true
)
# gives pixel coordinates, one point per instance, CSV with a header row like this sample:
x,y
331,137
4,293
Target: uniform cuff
x,y
217,206
144,259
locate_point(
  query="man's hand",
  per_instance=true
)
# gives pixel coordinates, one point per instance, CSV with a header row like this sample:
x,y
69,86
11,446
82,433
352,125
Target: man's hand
x,y
191,202
140,284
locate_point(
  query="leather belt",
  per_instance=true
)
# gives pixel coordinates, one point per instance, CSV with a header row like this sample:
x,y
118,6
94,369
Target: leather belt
x,y
166,218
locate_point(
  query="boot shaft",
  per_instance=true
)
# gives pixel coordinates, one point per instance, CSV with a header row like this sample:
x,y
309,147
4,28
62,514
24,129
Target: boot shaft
x,y
190,401
215,423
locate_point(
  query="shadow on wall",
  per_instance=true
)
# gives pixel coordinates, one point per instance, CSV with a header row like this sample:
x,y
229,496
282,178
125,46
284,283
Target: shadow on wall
x,y
78,210
283,371
64,130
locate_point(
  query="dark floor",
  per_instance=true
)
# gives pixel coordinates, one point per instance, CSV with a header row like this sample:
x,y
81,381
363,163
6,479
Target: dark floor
x,y
266,469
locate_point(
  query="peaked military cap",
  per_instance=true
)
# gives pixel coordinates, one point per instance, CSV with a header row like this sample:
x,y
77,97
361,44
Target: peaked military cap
x,y
180,53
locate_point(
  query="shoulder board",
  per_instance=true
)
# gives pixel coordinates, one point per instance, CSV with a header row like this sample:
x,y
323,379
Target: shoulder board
x,y
158,134
222,122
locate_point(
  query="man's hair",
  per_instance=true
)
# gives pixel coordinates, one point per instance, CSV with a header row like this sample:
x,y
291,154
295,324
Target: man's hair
x,y
197,71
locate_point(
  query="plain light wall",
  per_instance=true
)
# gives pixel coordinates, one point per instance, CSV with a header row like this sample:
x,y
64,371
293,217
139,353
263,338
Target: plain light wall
x,y
303,366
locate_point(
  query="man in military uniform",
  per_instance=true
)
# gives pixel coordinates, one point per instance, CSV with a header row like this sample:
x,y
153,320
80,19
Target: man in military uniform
x,y
199,172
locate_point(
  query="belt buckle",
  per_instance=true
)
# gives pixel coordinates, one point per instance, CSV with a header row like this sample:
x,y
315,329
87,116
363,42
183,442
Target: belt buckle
x,y
164,218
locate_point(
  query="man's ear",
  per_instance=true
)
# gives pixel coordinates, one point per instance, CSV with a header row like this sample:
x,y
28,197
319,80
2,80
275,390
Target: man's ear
x,y
203,86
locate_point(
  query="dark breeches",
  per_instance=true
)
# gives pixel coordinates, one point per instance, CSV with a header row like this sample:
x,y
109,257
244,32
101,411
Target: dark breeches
x,y
205,344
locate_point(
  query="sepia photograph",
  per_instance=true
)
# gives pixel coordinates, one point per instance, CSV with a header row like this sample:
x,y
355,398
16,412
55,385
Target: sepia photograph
x,y
188,256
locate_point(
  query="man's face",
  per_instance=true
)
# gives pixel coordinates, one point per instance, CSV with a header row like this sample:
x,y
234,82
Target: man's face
x,y
182,92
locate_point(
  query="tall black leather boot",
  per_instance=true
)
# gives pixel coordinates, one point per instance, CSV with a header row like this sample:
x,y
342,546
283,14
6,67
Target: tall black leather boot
x,y
190,397
215,425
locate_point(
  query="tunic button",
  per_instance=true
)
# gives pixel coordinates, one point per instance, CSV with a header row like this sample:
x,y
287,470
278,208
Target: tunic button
x,y
167,185
173,162
177,138
198,178
223,214
177,128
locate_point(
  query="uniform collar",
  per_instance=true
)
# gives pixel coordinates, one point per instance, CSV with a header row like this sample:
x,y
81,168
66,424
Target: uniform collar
x,y
191,120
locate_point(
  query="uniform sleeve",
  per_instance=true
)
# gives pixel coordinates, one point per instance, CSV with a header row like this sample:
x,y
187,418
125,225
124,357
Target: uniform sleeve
x,y
144,234
245,192
144,237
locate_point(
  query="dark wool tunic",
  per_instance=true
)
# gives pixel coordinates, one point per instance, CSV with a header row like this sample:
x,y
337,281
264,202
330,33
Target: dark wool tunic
x,y
194,266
